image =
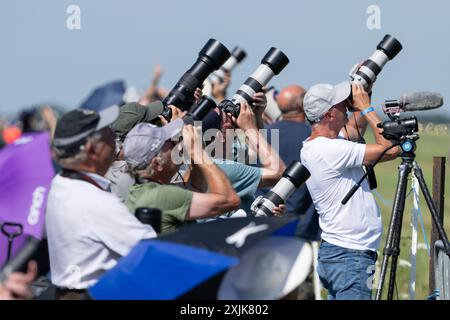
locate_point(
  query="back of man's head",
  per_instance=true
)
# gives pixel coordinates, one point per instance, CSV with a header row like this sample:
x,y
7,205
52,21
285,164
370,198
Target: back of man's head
x,y
79,130
290,99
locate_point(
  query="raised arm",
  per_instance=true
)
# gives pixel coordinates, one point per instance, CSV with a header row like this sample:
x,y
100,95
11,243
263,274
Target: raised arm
x,y
361,101
221,196
272,165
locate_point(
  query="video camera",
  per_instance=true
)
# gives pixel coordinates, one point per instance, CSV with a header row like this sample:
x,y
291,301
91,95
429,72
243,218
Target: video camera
x,y
398,128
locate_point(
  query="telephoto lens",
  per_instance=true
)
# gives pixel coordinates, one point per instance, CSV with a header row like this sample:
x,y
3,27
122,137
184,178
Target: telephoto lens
x,y
200,110
293,177
367,73
237,55
212,56
272,64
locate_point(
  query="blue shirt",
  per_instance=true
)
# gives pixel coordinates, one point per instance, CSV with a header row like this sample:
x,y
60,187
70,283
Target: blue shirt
x,y
244,179
291,137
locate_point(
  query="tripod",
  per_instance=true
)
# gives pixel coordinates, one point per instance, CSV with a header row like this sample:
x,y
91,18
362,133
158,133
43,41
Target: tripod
x,y
392,247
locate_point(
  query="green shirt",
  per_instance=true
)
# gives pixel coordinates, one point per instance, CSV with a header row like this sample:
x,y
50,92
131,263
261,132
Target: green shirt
x,y
173,201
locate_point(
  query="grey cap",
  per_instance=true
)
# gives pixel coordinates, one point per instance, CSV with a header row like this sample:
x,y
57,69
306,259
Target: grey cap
x,y
322,97
133,113
145,141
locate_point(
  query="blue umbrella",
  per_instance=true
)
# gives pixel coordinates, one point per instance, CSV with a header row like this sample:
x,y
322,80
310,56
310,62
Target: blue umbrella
x,y
105,96
190,262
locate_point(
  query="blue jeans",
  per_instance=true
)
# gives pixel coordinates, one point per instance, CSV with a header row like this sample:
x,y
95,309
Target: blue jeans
x,y
347,274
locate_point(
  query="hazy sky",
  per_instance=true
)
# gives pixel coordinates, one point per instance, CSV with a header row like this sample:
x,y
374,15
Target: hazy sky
x,y
42,61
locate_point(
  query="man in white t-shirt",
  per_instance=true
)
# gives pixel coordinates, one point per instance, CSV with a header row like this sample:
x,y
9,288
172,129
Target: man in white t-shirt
x,y
88,228
350,233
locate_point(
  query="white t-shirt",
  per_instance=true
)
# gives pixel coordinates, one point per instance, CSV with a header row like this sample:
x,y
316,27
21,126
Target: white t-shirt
x,y
335,166
88,230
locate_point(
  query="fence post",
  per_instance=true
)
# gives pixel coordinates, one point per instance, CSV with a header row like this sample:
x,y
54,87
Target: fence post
x,y
438,198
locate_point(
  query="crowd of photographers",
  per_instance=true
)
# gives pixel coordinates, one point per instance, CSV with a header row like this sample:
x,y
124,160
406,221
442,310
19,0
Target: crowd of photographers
x,y
120,158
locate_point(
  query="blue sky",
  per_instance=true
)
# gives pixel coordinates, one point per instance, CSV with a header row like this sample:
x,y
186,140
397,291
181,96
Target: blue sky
x,y
42,61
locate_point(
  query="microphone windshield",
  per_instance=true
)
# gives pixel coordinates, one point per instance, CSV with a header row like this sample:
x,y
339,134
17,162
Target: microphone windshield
x,y
423,100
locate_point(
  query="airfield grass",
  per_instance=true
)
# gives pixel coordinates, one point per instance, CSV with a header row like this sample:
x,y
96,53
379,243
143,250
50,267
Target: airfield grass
x,y
431,143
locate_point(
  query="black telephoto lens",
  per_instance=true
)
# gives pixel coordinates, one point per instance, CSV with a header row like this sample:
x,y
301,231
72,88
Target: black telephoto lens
x,y
211,57
205,105
200,110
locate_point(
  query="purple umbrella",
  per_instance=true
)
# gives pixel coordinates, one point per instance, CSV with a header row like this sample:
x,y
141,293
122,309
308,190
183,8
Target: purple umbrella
x,y
26,172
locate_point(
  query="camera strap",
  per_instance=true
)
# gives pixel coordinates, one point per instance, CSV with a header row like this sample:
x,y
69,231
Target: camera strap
x,y
76,175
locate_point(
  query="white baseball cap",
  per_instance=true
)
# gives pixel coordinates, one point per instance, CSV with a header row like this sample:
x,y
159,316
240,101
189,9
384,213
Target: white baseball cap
x,y
322,97
270,270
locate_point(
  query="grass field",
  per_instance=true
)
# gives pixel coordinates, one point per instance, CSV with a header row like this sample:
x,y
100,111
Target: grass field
x,y
432,143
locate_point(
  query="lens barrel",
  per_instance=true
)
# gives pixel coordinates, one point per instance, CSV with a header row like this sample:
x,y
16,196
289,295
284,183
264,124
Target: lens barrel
x,y
239,54
293,177
297,173
390,46
272,64
276,60
211,57
387,49
205,105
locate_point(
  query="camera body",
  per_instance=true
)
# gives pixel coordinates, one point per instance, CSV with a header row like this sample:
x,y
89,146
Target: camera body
x,y
396,128
232,107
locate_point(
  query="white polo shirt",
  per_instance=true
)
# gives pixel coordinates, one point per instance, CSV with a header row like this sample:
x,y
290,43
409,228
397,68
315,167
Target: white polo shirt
x,y
336,166
88,231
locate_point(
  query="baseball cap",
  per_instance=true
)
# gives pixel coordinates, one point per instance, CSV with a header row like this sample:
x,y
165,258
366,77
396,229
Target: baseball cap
x,y
76,125
133,113
322,97
270,270
145,140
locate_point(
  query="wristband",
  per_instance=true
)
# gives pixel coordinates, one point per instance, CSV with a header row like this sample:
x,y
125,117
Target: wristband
x,y
366,111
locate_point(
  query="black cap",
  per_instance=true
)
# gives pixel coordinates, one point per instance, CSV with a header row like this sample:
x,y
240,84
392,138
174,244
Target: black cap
x,y
76,125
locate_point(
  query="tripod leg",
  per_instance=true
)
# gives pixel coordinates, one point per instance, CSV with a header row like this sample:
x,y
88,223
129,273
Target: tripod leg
x,y
392,247
434,214
397,238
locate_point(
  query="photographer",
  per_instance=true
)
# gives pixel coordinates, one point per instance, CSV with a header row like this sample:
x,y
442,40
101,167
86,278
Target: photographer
x,y
293,130
148,153
350,233
246,179
88,228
